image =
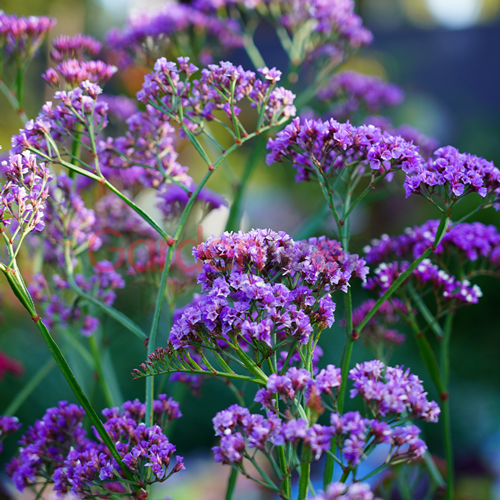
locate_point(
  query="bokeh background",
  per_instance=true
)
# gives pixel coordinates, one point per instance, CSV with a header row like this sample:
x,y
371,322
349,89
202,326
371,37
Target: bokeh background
x,y
445,55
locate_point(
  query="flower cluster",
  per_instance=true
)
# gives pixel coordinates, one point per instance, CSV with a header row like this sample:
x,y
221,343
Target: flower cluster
x,y
57,449
263,283
8,425
62,311
330,145
352,91
377,332
78,108
452,174
340,491
219,88
23,196
389,392
22,36
392,390
74,47
145,35
73,72
470,241
446,288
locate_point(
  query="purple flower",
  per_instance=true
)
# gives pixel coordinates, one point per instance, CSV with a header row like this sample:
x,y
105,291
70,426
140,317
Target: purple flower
x,y
340,491
8,425
74,47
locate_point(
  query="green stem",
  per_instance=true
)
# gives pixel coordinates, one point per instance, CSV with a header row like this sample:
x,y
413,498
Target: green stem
x,y
286,485
402,277
424,310
235,212
305,472
433,470
448,443
10,96
20,88
76,146
108,395
231,484
26,391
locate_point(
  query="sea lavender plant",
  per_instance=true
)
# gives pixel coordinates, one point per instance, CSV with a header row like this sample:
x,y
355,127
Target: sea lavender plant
x,y
266,300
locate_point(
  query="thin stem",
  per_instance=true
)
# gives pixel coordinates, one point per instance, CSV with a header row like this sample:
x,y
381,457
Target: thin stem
x,y
402,277
26,391
108,395
231,483
253,52
13,102
305,472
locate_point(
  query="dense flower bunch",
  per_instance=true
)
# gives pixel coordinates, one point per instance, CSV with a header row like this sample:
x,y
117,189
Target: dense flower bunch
x,y
219,88
241,273
59,304
78,47
147,35
73,72
352,92
458,173
447,288
468,241
330,146
262,288
78,108
21,37
389,392
23,196
8,425
56,449
340,491
377,333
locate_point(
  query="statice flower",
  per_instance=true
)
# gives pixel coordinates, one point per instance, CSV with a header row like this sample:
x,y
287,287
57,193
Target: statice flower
x,y
447,289
23,197
21,37
352,92
219,88
426,144
58,450
8,425
330,146
145,154
341,491
469,241
79,47
451,174
77,110
148,35
260,286
392,390
70,73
